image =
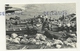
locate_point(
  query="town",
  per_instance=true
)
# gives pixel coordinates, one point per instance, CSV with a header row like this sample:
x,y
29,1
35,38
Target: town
x,y
41,31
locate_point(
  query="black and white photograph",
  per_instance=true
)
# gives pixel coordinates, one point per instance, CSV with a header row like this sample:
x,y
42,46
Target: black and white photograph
x,y
41,26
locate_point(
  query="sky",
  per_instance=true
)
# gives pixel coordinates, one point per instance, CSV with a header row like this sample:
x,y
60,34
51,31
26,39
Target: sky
x,y
18,6
31,9
71,7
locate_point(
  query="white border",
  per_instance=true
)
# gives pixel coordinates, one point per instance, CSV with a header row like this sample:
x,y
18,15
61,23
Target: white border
x,y
2,20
